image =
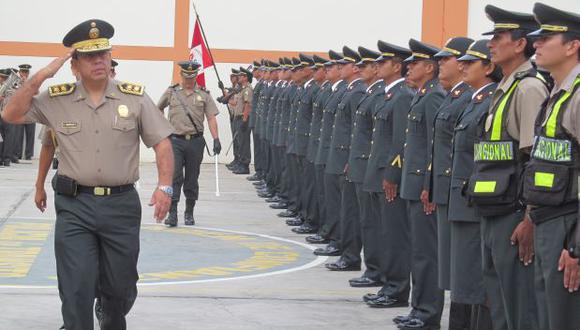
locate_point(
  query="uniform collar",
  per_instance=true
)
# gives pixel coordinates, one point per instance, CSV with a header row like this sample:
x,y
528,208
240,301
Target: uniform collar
x,y
352,82
324,83
111,91
480,90
371,86
506,82
393,84
568,82
308,83
455,87
335,85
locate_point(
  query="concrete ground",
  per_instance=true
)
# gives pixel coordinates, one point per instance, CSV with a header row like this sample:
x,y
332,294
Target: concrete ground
x,y
240,267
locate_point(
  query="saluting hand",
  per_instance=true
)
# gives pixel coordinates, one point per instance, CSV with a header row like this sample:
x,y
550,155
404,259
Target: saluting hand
x,y
571,270
161,201
52,68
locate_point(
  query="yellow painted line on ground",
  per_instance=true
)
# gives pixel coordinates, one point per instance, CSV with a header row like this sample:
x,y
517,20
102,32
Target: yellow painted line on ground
x,y
20,244
266,255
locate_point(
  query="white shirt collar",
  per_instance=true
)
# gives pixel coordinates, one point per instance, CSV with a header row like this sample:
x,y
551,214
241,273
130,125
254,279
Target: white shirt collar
x,y
324,83
371,86
479,90
308,83
454,87
352,82
335,85
391,85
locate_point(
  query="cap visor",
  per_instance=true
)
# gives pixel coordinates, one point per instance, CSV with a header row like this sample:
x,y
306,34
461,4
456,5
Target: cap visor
x,y
443,53
468,57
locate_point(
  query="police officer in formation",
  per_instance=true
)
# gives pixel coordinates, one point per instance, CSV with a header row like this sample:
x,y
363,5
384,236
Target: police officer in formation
x,y
452,169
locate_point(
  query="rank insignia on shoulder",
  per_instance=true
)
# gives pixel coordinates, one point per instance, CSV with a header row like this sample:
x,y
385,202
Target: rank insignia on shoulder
x,y
388,96
129,88
457,93
423,91
62,89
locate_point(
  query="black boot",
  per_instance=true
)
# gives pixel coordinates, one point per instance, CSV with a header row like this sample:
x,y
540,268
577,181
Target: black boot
x,y
188,216
171,220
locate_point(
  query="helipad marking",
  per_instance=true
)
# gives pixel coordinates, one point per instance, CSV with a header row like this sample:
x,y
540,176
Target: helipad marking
x,y
319,260
20,244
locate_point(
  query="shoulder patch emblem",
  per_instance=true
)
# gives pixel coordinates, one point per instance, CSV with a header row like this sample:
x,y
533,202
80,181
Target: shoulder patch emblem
x,y
129,88
457,93
388,96
62,89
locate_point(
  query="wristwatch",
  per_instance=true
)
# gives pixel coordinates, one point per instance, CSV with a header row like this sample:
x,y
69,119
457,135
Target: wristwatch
x,y
166,189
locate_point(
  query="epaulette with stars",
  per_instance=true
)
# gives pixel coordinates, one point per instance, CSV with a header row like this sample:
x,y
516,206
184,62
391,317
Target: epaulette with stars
x,y
62,89
426,89
482,96
457,92
130,88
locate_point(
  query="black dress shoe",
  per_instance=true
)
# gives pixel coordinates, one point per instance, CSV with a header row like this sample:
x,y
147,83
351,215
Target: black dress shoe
x,y
274,199
387,302
372,296
341,266
7,162
401,319
279,206
15,161
259,183
241,170
417,324
287,214
255,177
317,239
265,195
305,229
294,222
364,282
329,251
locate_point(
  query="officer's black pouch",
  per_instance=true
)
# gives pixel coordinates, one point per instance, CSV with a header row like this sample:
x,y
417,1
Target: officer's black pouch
x,y
545,184
65,186
493,187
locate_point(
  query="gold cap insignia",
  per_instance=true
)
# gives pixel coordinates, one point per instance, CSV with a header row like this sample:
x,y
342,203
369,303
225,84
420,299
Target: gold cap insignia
x,y
123,111
94,32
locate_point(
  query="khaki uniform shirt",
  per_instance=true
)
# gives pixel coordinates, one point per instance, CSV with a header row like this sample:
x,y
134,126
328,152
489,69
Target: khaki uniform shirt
x,y
199,104
242,98
45,136
99,145
524,107
570,118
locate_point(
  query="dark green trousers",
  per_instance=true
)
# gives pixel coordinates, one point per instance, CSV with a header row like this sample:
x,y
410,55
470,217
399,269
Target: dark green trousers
x,y
187,155
508,283
372,240
444,247
558,308
332,199
350,232
96,244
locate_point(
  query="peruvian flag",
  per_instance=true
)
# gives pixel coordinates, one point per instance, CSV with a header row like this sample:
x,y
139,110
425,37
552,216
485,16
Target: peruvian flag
x,y
200,53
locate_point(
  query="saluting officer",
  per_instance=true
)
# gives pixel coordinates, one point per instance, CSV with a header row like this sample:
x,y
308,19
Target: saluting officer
x,y
383,176
98,122
507,231
26,131
466,277
188,105
427,298
551,178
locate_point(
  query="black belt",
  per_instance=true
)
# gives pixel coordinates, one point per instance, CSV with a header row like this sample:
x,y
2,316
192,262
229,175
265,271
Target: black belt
x,y
105,191
187,136
544,213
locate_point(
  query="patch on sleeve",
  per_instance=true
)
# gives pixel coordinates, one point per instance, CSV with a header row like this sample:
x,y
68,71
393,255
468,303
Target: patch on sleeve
x,y
62,89
130,88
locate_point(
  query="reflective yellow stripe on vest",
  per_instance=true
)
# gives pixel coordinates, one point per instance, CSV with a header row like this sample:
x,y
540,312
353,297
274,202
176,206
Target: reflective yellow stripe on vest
x,y
498,116
552,120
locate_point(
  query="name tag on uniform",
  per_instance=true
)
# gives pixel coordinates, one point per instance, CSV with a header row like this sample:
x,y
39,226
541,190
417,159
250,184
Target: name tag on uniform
x,y
69,124
553,150
493,151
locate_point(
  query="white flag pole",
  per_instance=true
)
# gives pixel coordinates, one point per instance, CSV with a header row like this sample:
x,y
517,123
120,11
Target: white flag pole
x,y
217,182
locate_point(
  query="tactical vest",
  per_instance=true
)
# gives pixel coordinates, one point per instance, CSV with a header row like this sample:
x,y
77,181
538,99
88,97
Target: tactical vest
x,y
494,184
550,175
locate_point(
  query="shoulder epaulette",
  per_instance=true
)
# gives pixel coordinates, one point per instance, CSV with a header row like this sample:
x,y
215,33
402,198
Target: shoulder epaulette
x,y
62,89
130,88
426,89
173,86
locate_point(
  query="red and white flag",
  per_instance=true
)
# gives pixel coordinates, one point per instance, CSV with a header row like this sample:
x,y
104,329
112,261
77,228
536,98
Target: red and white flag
x,y
200,53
